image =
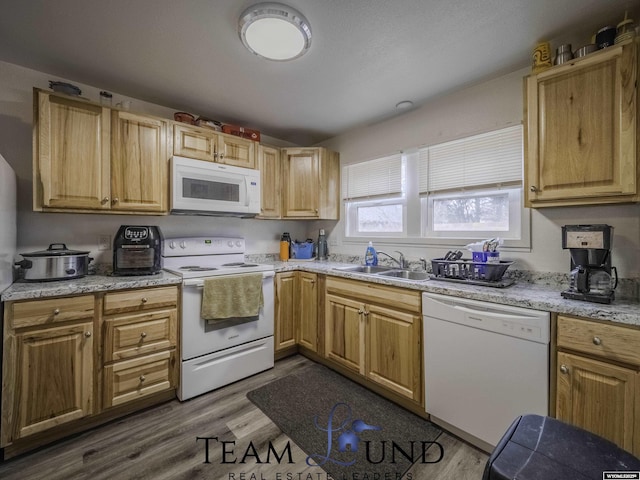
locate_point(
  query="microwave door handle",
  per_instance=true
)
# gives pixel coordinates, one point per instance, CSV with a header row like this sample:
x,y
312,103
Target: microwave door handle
x,y
246,191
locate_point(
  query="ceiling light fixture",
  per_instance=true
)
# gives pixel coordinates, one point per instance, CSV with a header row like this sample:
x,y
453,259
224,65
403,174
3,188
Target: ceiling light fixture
x,y
274,31
404,105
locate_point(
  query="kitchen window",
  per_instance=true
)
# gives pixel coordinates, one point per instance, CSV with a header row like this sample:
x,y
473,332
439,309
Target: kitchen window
x,y
472,187
374,198
444,194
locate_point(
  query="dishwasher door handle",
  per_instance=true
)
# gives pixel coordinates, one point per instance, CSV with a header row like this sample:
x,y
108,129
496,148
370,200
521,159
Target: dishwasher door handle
x,y
492,313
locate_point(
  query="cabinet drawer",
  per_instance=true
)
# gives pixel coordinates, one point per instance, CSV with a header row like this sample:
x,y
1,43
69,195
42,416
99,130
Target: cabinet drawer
x,y
56,310
139,300
133,335
133,379
608,341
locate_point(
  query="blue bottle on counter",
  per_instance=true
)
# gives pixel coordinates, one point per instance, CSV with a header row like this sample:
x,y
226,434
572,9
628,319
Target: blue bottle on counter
x,y
370,256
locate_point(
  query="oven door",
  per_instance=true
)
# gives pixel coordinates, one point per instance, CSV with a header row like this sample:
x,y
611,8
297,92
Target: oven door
x,y
210,188
200,337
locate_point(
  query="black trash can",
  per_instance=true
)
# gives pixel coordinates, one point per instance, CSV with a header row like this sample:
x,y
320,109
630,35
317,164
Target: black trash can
x,y
543,448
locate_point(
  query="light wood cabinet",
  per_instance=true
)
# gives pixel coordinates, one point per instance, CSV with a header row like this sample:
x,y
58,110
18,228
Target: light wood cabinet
x,y
71,153
311,183
270,196
344,332
597,380
139,163
376,331
393,353
67,361
206,144
307,331
285,311
48,370
89,158
139,346
581,130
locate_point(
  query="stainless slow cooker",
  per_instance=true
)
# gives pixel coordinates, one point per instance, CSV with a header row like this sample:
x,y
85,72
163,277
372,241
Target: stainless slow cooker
x,y
55,263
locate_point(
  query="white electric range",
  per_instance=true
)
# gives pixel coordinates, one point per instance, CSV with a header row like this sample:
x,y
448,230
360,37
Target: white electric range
x,y
216,354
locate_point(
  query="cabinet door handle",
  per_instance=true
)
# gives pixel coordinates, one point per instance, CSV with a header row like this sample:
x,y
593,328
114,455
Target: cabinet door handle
x,y
115,200
144,300
56,311
221,156
87,334
366,314
597,341
360,311
564,369
105,200
142,378
143,335
533,188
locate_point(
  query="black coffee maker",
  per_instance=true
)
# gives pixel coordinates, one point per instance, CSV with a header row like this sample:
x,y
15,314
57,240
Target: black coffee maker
x,y
593,279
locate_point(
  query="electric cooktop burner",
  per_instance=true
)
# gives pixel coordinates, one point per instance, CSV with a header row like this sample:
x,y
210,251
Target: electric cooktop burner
x,y
195,268
239,264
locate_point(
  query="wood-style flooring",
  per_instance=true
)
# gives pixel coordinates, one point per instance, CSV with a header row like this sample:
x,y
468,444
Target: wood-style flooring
x,y
161,443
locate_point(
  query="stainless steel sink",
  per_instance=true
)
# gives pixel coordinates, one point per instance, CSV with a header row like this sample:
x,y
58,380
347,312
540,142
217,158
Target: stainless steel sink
x,y
369,269
405,275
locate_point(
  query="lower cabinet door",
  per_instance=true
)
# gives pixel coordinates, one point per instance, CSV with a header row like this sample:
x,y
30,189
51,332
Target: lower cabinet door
x,y
344,338
130,380
393,350
56,377
598,397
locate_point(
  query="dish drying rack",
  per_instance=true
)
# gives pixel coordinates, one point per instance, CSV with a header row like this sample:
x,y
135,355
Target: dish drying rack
x,y
465,270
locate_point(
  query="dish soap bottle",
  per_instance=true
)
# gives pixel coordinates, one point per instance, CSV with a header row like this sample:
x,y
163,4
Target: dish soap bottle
x,y
370,256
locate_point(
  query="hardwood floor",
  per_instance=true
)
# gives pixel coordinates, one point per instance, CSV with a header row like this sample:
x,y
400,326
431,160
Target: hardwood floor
x,y
161,444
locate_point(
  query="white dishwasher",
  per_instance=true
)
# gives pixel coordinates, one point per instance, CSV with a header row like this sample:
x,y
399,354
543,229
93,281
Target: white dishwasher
x,y
484,364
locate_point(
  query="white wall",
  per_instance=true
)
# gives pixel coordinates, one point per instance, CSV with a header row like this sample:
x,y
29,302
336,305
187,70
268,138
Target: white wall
x,y
82,231
490,105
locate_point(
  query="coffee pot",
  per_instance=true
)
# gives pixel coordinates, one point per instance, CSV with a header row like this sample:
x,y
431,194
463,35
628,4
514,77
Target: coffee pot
x,y
592,277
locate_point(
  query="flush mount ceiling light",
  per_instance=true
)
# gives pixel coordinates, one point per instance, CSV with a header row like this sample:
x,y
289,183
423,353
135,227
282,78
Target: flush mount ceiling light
x,y
274,31
404,105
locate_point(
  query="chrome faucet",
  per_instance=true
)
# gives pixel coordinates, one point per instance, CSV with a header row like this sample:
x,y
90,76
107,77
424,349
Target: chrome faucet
x,y
402,263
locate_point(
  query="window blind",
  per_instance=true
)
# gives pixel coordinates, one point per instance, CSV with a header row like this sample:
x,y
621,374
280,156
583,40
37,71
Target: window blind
x,y
377,178
485,160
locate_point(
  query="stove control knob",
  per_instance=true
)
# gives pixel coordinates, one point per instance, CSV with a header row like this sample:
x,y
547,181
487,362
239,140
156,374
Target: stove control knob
x,y
183,244
238,243
230,243
172,244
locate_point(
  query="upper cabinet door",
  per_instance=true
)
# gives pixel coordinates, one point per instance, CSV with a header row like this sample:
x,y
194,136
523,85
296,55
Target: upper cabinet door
x,y
195,143
71,152
270,197
236,151
581,130
139,163
301,182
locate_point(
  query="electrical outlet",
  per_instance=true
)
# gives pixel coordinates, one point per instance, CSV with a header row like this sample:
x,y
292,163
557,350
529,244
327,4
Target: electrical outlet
x,y
105,242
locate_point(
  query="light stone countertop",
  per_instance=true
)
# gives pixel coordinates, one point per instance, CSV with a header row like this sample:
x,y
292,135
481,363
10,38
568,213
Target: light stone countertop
x,y
90,284
521,294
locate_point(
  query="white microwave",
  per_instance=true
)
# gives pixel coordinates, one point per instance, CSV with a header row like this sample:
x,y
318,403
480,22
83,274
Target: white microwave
x,y
206,188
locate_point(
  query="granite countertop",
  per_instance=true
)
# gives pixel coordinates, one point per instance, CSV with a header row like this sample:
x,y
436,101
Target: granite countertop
x,y
22,290
521,294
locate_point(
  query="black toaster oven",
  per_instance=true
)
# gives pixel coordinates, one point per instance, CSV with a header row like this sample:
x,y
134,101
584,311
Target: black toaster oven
x,y
137,250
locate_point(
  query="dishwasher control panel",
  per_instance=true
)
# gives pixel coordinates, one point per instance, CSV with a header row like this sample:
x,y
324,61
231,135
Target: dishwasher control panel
x,y
517,322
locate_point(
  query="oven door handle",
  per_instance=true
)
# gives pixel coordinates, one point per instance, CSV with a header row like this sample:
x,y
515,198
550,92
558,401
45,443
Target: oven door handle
x,y
199,282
